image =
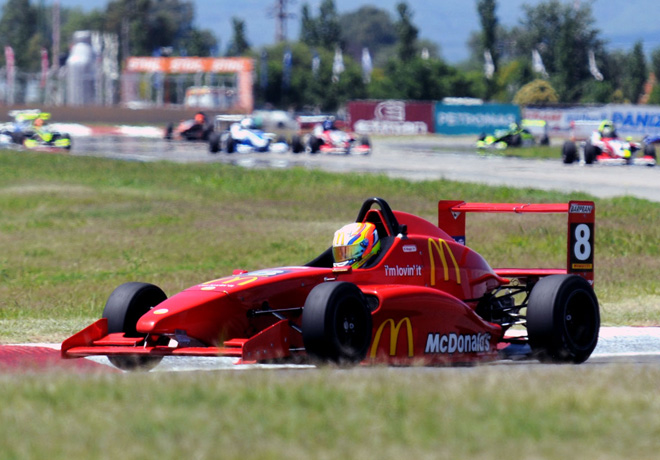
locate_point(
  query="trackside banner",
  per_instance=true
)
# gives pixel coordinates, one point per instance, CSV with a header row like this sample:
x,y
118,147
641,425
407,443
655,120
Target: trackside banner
x,y
630,120
391,117
474,119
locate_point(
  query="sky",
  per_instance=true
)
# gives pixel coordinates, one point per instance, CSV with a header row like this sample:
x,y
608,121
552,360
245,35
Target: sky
x,y
445,22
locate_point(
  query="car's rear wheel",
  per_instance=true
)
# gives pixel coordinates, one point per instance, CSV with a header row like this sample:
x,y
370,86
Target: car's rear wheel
x,y
563,319
214,142
124,307
649,151
568,152
336,323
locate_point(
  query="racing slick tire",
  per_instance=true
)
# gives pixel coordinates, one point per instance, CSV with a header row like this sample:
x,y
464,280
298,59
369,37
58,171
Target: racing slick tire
x,y
314,144
516,140
214,142
563,319
18,138
568,152
229,144
169,132
127,303
649,151
297,144
336,323
590,153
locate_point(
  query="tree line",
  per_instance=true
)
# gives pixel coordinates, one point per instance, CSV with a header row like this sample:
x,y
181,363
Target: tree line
x,y
555,55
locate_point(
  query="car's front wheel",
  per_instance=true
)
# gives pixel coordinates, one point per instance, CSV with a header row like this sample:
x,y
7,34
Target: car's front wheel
x,y
336,323
124,307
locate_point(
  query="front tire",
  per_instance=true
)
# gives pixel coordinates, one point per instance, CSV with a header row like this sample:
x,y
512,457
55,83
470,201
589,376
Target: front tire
x,y
563,319
124,307
336,323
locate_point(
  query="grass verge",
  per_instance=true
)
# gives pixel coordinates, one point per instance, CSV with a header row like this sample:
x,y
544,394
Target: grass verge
x,y
73,228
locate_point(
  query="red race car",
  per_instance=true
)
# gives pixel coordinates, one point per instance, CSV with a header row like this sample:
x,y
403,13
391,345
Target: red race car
x,y
422,296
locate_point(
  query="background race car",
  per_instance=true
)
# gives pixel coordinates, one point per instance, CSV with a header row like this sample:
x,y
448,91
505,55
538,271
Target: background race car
x,y
587,146
197,128
29,129
324,134
528,132
241,134
421,296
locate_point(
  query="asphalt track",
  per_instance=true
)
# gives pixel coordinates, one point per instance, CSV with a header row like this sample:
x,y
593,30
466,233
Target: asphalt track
x,y
426,158
416,159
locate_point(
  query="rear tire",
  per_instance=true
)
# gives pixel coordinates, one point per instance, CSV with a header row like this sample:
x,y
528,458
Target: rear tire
x,y
649,151
336,323
563,319
214,142
568,152
127,303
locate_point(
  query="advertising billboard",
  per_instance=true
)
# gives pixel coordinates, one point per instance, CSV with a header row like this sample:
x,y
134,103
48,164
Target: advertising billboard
x,y
474,119
391,117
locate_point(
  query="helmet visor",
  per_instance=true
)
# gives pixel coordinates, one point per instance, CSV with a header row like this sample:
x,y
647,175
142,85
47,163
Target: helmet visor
x,y
345,253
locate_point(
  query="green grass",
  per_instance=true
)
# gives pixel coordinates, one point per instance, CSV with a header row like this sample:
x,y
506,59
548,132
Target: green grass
x,y
72,229
489,412
545,152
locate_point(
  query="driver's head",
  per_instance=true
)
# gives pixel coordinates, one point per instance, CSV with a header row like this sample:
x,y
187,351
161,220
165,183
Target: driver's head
x,y
354,244
39,122
606,128
247,123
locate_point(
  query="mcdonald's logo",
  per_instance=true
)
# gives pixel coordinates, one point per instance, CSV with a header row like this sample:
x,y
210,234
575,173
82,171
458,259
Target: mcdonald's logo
x,y
440,247
394,336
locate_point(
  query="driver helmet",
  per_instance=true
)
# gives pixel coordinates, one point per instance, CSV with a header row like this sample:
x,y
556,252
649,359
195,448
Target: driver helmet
x,y
200,118
329,124
354,244
607,129
39,122
247,123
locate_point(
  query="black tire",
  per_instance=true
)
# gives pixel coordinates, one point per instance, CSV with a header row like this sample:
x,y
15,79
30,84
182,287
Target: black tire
x,y
214,142
67,136
18,138
314,144
169,131
563,319
516,140
124,307
297,144
545,140
590,153
568,152
649,151
230,146
336,323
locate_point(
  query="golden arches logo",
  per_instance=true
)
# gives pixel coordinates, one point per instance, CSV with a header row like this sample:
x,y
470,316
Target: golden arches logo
x,y
394,336
440,247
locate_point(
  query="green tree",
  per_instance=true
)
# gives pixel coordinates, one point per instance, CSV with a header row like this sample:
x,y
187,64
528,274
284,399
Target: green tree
x,y
488,20
536,92
18,26
407,33
239,44
368,27
636,73
655,68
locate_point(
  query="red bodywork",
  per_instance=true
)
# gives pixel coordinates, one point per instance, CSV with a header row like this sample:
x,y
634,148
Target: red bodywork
x,y
424,289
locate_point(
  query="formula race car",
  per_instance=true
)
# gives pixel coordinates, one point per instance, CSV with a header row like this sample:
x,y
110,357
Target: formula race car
x,y
327,137
237,133
529,132
28,129
197,128
423,297
606,147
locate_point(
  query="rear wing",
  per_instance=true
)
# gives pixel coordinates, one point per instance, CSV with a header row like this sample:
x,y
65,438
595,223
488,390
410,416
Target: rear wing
x,y
581,226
